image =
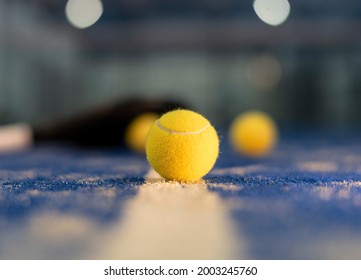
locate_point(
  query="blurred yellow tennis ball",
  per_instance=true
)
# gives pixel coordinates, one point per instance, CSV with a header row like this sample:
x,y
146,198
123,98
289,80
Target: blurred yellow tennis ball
x,y
137,130
182,145
253,134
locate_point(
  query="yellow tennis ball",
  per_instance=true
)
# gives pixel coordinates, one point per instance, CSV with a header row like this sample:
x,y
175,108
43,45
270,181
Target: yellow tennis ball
x,y
182,145
137,130
253,134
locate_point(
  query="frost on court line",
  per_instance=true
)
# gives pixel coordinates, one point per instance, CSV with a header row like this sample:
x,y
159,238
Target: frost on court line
x,y
170,220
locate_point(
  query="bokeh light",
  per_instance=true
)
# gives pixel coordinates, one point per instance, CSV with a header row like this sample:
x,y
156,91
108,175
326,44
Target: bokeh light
x,y
83,13
264,72
272,12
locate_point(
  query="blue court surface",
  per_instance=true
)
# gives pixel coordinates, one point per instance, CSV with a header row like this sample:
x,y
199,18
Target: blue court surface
x,y
301,202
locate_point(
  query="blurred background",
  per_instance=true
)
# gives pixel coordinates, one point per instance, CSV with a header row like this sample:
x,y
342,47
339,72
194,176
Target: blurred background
x,y
300,60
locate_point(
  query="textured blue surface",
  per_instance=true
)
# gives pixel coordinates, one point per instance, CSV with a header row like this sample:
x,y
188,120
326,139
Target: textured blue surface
x,y
301,202
46,172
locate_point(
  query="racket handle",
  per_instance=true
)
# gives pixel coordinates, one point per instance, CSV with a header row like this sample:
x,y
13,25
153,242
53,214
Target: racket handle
x,y
103,127
15,137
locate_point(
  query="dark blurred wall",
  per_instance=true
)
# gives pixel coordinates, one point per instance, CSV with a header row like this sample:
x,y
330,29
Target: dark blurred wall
x,y
216,55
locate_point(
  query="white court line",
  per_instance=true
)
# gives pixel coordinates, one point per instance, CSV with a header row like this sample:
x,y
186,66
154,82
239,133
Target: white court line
x,y
164,220
168,220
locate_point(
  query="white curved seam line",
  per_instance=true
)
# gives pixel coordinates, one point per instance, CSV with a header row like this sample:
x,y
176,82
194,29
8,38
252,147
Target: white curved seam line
x,y
180,132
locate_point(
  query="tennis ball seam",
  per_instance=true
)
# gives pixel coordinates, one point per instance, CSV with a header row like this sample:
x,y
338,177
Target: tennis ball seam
x,y
182,132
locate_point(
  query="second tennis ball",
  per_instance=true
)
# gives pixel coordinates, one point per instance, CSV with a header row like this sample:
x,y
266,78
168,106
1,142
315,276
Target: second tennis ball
x,y
253,134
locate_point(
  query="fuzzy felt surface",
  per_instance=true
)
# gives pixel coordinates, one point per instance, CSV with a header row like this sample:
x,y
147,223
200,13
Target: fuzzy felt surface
x,y
183,157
